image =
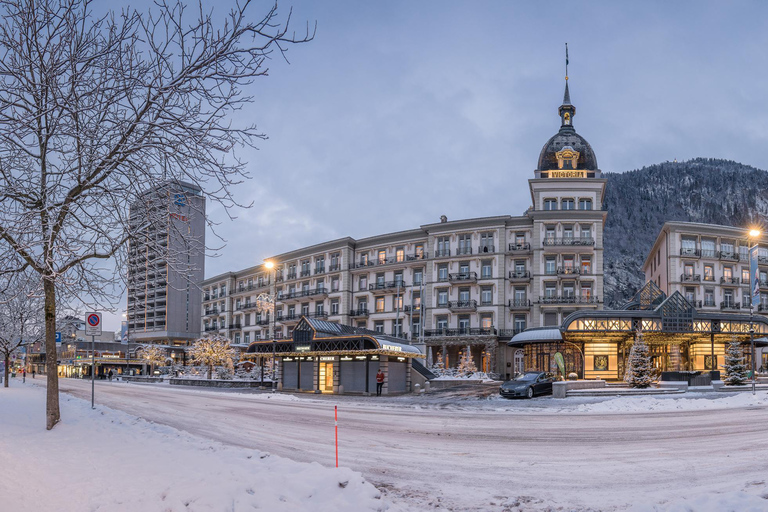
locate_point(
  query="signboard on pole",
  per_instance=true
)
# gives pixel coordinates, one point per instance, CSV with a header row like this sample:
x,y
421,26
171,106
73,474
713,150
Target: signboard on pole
x,y
754,277
93,324
58,337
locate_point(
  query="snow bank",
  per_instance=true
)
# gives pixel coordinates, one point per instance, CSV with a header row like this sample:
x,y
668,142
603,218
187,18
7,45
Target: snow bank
x,y
652,403
738,501
107,460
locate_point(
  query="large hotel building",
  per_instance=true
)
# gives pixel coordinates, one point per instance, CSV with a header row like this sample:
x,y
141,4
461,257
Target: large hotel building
x,y
448,285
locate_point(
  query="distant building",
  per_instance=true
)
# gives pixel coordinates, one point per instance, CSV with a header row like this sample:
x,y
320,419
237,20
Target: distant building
x,y
451,284
166,261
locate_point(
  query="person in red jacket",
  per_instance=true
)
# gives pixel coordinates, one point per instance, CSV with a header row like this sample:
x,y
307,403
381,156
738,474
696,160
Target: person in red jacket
x,y
379,382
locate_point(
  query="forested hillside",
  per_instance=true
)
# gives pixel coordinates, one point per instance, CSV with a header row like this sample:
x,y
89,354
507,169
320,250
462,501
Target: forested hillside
x,y
699,190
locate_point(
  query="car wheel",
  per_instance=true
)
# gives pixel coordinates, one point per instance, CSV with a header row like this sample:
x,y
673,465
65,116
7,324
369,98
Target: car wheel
x,y
529,393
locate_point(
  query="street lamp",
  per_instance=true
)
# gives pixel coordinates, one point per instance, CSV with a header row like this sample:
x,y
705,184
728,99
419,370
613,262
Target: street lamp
x,y
754,290
266,302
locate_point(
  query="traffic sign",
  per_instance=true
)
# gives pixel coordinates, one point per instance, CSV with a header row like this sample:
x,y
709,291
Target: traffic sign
x,y
93,324
58,337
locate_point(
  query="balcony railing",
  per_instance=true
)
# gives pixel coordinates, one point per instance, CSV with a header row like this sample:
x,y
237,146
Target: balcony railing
x,y
730,256
461,331
486,249
334,267
359,312
465,250
568,299
405,258
319,270
519,276
298,294
211,328
690,278
462,304
708,253
710,279
386,285
690,251
213,311
442,253
727,305
262,321
317,314
467,277
568,240
235,326
568,271
413,309
519,247
519,303
305,273
291,275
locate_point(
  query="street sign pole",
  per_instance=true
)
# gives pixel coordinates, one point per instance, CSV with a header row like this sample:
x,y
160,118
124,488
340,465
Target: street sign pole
x,y
93,329
93,370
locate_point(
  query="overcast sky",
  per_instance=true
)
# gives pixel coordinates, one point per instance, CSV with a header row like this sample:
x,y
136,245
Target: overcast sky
x,y
399,112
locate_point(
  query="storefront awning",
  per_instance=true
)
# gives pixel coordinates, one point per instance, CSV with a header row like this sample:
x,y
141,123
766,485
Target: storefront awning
x,y
536,335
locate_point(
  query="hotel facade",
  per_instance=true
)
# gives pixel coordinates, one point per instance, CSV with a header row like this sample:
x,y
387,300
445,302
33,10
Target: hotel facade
x,y
447,285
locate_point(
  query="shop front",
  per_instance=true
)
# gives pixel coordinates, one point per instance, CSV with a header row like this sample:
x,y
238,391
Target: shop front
x,y
323,357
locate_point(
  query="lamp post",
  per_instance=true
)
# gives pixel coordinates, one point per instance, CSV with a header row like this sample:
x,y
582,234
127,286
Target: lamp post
x,y
266,302
754,292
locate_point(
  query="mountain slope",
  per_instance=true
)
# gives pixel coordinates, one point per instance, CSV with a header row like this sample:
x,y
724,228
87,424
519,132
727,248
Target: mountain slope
x,y
699,190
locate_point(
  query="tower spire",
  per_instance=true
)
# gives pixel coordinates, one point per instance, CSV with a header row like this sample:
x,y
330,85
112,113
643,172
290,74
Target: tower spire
x,y
566,110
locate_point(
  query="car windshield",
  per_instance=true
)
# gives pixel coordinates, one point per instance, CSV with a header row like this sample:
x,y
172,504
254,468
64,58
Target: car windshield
x,y
526,376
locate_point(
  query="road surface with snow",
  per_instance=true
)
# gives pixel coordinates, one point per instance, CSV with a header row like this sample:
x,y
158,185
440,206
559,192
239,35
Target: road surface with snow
x,y
498,455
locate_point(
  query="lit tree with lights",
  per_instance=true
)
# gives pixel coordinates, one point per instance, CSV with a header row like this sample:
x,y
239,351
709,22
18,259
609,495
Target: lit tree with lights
x,y
735,368
213,351
466,364
153,355
639,368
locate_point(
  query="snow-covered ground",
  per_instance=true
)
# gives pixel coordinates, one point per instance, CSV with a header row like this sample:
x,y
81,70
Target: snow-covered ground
x,y
107,460
451,450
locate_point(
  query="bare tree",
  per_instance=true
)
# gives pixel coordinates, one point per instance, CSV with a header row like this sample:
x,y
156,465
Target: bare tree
x,y
153,355
213,351
21,318
96,111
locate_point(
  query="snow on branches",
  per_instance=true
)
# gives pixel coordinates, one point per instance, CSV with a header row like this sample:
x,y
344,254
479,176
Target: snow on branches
x,y
153,355
213,351
639,370
735,369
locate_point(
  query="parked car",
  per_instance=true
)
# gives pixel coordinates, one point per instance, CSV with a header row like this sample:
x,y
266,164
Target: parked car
x,y
528,385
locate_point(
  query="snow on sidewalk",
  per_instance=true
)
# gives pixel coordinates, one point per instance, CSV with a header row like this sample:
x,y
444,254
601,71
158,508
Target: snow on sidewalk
x,y
107,460
650,403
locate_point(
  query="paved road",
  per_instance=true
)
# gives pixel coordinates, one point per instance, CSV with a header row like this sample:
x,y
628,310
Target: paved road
x,y
476,459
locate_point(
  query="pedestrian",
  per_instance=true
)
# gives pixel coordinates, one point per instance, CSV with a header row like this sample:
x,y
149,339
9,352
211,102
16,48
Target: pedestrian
x,y
109,375
33,373
379,382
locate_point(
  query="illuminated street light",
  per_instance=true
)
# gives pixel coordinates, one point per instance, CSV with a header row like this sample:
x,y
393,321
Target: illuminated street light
x,y
754,235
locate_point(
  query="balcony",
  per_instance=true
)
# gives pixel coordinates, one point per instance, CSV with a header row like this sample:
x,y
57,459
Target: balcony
x,y
291,275
386,286
463,277
394,260
305,273
442,253
729,256
462,305
486,249
568,271
708,253
235,326
464,251
290,317
690,251
519,276
709,279
519,304
317,314
413,309
519,248
358,312
730,306
211,328
212,311
262,321
690,278
707,303
319,270
570,241
334,267
247,305
460,331
568,299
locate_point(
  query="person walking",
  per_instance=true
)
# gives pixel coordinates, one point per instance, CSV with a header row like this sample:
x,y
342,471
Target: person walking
x,y
379,382
33,373
109,375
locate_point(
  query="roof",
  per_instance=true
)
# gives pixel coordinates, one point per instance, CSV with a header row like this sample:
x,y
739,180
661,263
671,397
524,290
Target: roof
x,y
567,136
537,334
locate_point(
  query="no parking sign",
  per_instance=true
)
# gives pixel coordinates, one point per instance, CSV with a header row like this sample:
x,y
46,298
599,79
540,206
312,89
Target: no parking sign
x,y
93,324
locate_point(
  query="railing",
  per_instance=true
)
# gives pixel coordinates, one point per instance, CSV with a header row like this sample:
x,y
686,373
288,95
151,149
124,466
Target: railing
x,y
391,260
467,249
305,273
568,299
519,247
213,311
211,328
709,278
519,275
569,271
730,255
263,321
317,314
292,276
442,253
415,309
461,331
519,303
586,241
235,326
386,285
297,294
690,277
730,305
508,333
708,253
462,304
463,276
486,249
709,303
319,270
334,267
690,251
359,312
729,280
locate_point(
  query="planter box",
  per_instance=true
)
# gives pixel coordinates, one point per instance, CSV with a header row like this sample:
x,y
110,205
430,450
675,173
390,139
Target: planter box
x,y
560,389
140,378
217,383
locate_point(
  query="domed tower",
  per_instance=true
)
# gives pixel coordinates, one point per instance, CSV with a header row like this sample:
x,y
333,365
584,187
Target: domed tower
x,y
567,226
567,154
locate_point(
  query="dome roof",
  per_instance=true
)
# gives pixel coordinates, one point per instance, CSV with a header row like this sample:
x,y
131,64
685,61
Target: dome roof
x,y
567,137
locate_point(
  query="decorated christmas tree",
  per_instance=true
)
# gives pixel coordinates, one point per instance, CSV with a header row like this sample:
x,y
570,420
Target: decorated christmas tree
x,y
153,355
735,369
213,351
639,369
438,367
466,364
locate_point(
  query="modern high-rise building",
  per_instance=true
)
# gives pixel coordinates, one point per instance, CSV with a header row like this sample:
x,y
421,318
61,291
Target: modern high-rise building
x,y
166,263
451,284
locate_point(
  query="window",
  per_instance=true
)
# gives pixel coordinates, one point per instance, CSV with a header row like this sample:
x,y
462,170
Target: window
x,y
465,244
362,325
568,265
586,291
364,260
382,257
707,248
363,283
550,232
586,232
550,290
416,301
399,278
442,322
519,323
728,273
585,204
745,275
380,280
378,326
568,204
709,297
549,266
690,295
550,204
586,265
397,328
247,337
418,276
415,328
486,296
237,338
464,295
689,271
247,319
399,255
486,322
362,304
379,304
442,272
443,247
305,268
442,298
726,247
419,251
689,246
398,303
550,319
319,264
709,273
335,261
486,242
464,268
519,239
485,269
728,298
335,284
520,267
746,298
464,324
319,308
568,290
520,295
567,231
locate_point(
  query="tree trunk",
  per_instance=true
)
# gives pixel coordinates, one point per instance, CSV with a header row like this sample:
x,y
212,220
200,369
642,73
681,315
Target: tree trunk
x,y
7,371
52,414
210,371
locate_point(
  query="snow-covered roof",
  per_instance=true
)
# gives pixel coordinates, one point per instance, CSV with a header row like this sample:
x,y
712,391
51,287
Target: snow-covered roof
x,y
541,334
387,344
